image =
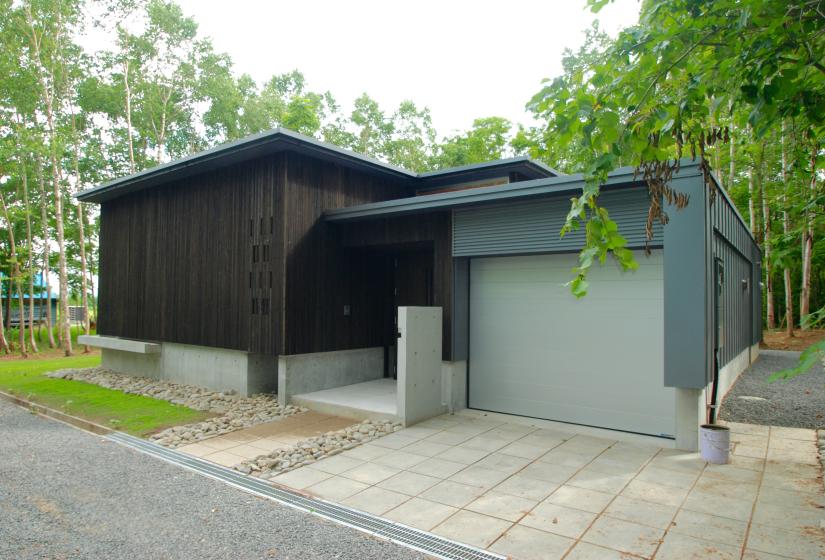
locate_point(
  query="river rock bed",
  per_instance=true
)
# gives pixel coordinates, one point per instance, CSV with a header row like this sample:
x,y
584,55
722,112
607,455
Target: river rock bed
x,y
233,411
316,448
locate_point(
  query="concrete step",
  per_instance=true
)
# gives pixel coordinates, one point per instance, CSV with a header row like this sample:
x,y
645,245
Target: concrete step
x,y
371,400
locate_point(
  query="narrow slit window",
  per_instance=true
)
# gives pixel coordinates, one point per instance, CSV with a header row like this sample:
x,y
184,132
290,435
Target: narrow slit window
x,y
271,225
250,279
251,227
264,306
260,278
266,252
254,253
254,306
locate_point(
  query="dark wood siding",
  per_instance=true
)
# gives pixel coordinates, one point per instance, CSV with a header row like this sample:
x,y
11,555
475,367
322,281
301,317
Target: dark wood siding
x,y
176,260
192,261
322,276
430,230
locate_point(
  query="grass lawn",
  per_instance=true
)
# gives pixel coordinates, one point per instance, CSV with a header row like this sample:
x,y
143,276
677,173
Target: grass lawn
x,y
129,413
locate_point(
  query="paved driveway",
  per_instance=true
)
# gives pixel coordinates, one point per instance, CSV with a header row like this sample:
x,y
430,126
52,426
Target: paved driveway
x,y
535,492
67,494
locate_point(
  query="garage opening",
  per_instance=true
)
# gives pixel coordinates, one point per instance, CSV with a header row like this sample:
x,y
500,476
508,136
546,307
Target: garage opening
x,y
534,350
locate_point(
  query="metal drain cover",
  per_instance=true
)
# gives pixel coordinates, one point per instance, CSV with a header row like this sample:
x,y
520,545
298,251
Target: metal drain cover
x,y
410,537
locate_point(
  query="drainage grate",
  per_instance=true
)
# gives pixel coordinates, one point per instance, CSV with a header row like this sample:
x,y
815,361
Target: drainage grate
x,y
395,532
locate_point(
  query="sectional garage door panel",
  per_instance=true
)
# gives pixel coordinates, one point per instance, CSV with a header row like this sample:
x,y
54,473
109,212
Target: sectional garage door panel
x,y
537,351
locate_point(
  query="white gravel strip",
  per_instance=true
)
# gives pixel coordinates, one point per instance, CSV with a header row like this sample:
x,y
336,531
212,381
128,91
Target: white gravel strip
x,y
316,448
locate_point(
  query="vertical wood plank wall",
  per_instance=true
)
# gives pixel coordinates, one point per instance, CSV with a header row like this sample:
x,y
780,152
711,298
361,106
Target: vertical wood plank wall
x,y
321,275
434,230
175,260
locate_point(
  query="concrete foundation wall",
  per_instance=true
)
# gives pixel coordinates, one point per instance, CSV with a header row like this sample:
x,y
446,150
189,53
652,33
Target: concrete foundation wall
x,y
306,373
454,385
733,369
691,404
143,365
218,369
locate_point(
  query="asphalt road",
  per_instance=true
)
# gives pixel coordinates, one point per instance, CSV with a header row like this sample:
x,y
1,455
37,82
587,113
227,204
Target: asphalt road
x,y
66,494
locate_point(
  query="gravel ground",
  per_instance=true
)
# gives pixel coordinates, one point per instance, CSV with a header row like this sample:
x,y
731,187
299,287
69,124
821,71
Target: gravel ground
x,y
797,402
67,494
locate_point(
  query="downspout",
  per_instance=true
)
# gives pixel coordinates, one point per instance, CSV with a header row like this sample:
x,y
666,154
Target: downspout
x,y
714,389
718,282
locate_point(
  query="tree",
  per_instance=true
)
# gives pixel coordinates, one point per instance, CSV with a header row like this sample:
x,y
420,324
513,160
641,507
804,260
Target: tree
x,y
412,141
541,142
488,139
46,26
374,129
664,87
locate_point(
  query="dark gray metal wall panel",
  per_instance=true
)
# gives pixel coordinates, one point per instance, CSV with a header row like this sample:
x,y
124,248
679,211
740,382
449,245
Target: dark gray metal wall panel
x,y
737,300
461,307
741,297
687,348
533,226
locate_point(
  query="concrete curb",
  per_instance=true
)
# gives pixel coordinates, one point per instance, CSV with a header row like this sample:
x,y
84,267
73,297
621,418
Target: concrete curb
x,y
86,425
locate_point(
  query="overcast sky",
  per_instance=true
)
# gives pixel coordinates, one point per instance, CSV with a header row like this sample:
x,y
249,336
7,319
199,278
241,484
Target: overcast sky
x,y
461,59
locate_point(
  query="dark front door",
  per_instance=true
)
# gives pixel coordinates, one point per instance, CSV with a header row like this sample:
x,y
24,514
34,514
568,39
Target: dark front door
x,y
412,276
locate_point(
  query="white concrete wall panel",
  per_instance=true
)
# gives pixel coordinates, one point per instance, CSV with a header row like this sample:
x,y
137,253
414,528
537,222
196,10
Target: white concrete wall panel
x,y
307,373
419,364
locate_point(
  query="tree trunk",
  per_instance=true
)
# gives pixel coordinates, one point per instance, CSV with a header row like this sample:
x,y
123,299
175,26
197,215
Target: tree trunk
x,y
15,277
9,303
63,316
751,202
770,310
4,344
732,172
29,257
129,116
807,249
46,253
24,179
63,273
786,229
84,301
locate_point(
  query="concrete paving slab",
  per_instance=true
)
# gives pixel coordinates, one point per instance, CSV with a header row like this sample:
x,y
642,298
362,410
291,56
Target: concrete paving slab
x,y
526,543
532,491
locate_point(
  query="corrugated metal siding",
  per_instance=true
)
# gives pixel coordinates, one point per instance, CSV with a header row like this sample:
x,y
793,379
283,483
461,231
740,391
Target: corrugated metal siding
x,y
733,244
533,226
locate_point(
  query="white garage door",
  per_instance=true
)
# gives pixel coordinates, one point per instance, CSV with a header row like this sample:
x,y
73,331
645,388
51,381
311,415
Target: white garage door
x,y
537,351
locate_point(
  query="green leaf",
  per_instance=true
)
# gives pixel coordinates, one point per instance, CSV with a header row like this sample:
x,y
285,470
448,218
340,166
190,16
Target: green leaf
x,y
579,286
812,355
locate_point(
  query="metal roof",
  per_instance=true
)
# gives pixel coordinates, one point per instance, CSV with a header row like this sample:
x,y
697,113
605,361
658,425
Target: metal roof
x,y
485,195
281,139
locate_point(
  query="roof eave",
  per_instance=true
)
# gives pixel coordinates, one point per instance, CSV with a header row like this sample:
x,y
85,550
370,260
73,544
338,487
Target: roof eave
x,y
486,195
234,152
